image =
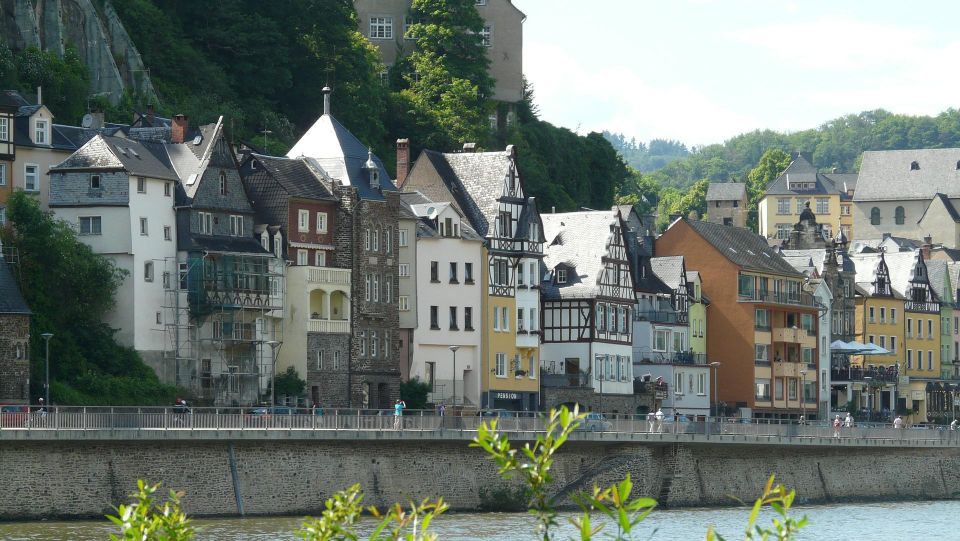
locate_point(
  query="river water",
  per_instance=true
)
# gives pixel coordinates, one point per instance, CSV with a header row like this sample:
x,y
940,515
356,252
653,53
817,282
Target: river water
x,y
908,520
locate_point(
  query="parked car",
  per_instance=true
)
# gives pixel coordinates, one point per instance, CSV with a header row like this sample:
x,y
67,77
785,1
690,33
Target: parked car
x,y
595,422
495,413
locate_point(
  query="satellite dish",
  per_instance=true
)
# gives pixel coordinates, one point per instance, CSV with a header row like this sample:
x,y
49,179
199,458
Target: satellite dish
x,y
197,140
87,120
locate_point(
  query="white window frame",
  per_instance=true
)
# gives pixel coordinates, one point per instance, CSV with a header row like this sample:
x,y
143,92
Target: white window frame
x,y
3,173
303,257
500,365
402,238
368,289
403,303
167,233
236,225
41,131
303,221
404,270
387,241
561,276
496,318
376,240
381,27
167,189
141,185
823,205
366,239
144,227
486,35
91,220
148,271
387,289
4,129
320,258
206,223
376,288
701,384
321,222
27,176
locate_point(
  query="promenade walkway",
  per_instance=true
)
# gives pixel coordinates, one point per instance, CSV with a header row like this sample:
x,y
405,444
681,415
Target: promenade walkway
x,y
234,424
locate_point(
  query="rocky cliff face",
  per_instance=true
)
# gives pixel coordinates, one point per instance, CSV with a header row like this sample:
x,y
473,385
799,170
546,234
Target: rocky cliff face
x,y
90,26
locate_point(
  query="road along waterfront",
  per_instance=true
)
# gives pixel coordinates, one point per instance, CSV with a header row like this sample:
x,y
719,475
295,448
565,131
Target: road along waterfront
x,y
904,520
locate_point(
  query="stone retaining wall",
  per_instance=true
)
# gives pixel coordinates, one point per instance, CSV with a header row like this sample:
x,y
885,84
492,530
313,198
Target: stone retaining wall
x,y
88,478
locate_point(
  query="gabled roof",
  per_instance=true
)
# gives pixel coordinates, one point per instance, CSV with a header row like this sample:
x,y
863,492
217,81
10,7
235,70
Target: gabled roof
x,y
889,174
342,156
295,176
426,212
801,170
11,301
115,153
726,191
937,273
951,210
12,99
475,179
578,241
902,266
669,269
866,266
742,247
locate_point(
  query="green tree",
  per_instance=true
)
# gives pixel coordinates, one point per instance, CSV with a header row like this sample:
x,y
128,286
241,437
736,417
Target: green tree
x,y
414,393
65,81
70,289
289,383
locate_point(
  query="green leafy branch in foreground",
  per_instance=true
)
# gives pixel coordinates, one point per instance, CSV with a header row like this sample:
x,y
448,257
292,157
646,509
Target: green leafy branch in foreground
x,y
147,520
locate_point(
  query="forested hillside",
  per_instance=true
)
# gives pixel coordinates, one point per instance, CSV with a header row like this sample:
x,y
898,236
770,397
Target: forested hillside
x,y
680,185
263,64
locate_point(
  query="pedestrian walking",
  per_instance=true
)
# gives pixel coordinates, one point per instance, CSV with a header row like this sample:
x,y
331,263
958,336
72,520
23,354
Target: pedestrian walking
x,y
953,425
898,422
848,422
659,416
651,421
398,414
837,423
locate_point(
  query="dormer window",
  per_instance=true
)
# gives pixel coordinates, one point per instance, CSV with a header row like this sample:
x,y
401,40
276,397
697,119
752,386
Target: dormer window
x,y
41,132
94,182
223,183
372,169
5,131
561,276
914,166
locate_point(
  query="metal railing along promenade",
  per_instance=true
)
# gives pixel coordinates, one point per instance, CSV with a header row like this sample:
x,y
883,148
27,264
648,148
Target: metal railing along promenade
x,y
67,421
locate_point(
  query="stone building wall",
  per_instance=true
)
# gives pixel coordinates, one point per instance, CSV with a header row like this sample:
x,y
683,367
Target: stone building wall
x,y
327,386
552,397
14,357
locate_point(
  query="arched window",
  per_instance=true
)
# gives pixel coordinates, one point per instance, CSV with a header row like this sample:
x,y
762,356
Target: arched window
x,y
875,216
914,166
899,216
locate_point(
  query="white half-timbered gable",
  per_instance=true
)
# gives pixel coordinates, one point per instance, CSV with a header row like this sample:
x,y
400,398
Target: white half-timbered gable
x,y
587,299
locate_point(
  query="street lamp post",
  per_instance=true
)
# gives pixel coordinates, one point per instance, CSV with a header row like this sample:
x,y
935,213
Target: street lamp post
x,y
46,386
867,380
716,399
273,378
454,350
803,398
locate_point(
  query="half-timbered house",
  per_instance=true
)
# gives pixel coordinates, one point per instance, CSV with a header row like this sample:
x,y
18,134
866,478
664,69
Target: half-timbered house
x,y
587,299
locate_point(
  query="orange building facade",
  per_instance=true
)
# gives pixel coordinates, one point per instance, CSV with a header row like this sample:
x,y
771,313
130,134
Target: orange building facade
x,y
763,326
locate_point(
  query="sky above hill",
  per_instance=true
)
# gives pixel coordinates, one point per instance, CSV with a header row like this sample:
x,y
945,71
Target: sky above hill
x,y
702,71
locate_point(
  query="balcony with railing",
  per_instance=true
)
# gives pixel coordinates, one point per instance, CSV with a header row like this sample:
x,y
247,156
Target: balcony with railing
x,y
777,297
670,317
883,374
328,275
922,306
579,380
329,312
672,357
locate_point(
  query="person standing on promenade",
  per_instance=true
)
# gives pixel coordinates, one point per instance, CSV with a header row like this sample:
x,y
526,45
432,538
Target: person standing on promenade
x,y
953,425
651,421
848,422
898,422
659,416
837,423
398,414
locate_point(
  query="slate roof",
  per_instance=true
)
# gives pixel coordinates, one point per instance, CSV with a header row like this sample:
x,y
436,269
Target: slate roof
x,y
669,269
12,99
577,240
295,176
887,175
475,179
937,274
951,210
237,245
11,301
342,156
726,191
801,170
866,272
115,153
901,266
817,256
742,247
425,212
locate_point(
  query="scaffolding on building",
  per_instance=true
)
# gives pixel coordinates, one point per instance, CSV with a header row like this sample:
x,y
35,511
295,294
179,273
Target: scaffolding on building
x,y
223,324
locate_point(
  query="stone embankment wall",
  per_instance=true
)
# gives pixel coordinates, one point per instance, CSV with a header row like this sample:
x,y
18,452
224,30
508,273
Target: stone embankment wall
x,y
88,478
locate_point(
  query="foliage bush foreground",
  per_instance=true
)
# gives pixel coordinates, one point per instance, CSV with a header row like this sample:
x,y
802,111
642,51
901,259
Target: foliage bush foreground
x,y
146,519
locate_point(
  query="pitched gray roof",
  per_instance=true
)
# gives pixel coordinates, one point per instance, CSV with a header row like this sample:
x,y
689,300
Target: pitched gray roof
x,y
476,181
801,170
115,154
726,191
937,273
951,209
295,176
669,269
342,156
901,266
11,301
577,240
887,175
742,247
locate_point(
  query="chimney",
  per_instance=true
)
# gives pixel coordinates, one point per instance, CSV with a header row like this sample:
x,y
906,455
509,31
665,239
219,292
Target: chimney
x,y
403,161
150,114
326,99
469,147
178,128
926,247
97,120
39,95
553,210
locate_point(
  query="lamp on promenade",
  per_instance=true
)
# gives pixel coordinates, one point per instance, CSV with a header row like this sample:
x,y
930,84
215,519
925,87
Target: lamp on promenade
x,y
454,350
273,378
867,380
803,398
46,386
716,399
